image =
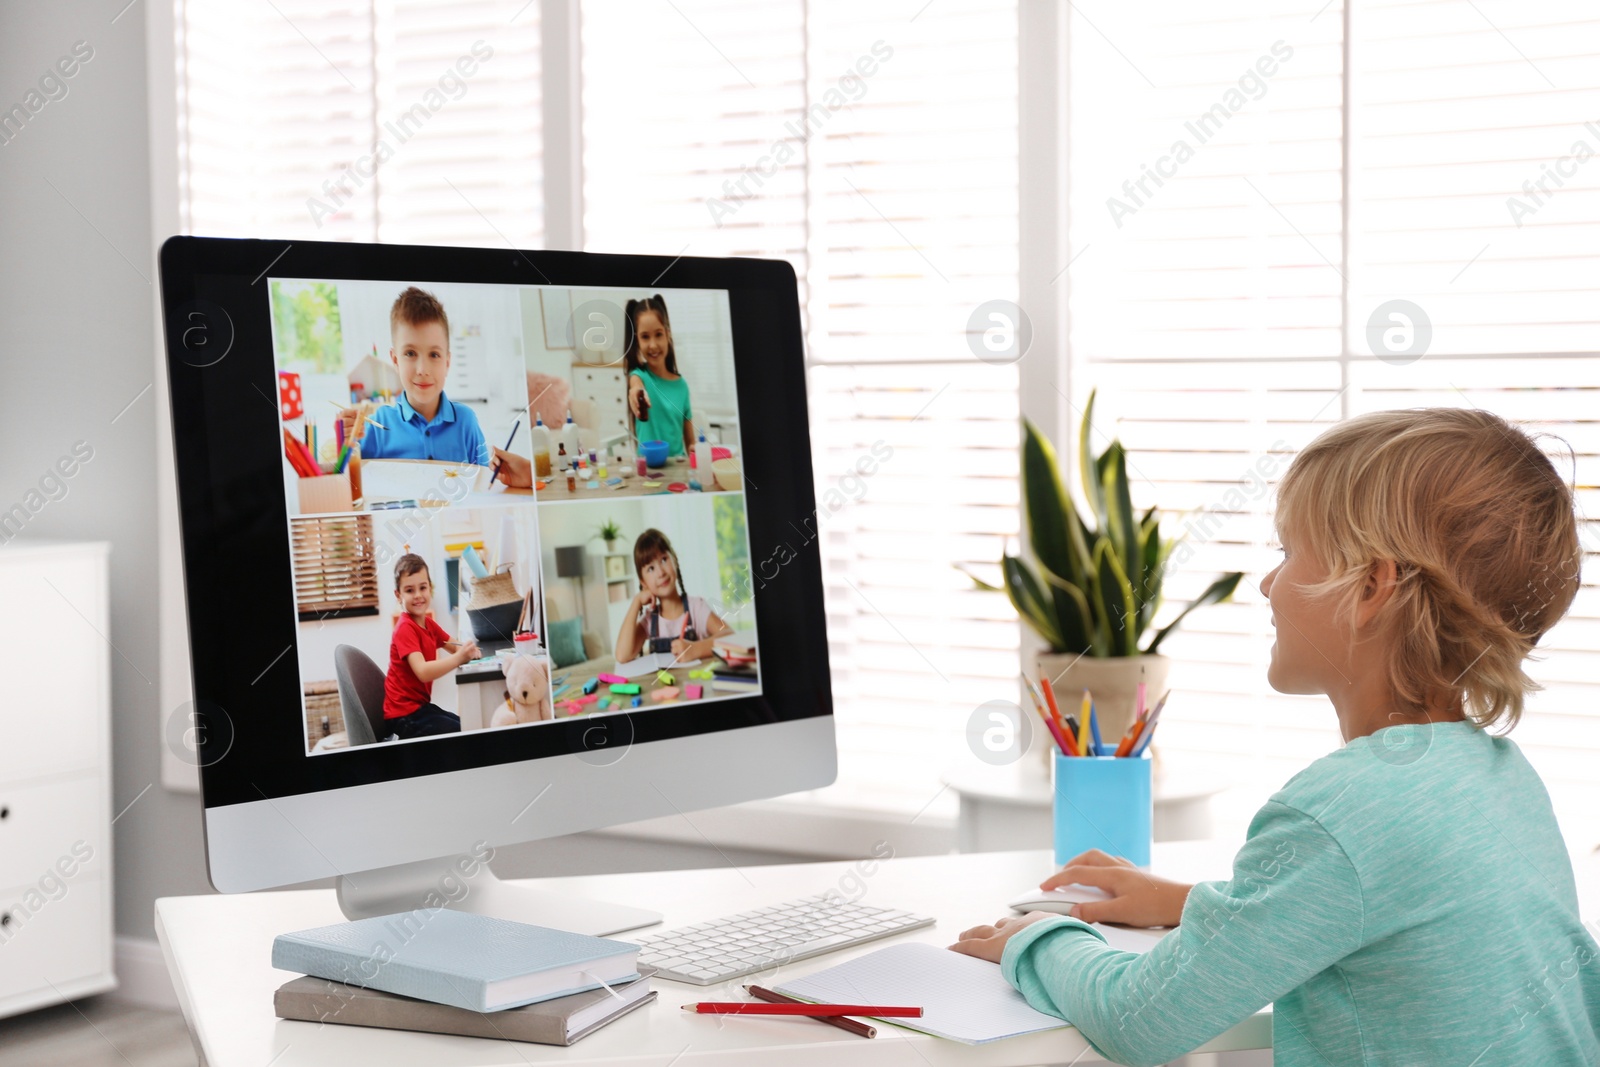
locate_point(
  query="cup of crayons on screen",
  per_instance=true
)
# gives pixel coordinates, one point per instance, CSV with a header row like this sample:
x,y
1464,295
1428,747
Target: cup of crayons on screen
x,y
1102,796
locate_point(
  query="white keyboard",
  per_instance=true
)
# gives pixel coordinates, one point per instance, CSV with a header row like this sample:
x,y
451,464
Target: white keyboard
x,y
766,937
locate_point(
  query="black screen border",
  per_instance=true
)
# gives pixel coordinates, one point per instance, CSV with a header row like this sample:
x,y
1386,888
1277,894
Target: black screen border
x,y
228,461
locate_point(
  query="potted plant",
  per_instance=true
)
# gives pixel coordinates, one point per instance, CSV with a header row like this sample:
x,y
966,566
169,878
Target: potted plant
x,y
610,532
1092,586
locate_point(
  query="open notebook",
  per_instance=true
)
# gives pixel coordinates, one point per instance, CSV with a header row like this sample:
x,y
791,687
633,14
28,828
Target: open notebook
x,y
962,998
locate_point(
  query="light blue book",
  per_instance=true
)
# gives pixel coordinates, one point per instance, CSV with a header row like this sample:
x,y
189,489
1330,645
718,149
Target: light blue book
x,y
453,957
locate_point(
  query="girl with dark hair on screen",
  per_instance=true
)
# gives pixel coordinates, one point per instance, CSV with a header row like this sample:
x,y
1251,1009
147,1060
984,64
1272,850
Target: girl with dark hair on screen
x,y
658,395
663,612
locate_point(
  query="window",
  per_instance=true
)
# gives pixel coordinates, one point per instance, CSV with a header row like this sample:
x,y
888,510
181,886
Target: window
x,y
362,120
1244,212
335,567
878,155
876,152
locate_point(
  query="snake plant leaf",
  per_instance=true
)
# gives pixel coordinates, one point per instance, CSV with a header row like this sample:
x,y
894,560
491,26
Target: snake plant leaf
x,y
987,587
1215,593
1153,560
1076,619
1119,512
1088,467
1050,511
1028,597
1116,596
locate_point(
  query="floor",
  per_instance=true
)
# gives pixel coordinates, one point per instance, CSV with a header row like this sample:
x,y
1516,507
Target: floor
x,y
96,1032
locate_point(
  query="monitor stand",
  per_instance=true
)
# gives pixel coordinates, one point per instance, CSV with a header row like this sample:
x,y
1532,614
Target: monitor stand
x,y
439,883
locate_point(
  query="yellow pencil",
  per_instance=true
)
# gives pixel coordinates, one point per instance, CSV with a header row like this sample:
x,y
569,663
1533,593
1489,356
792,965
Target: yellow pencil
x,y
1083,725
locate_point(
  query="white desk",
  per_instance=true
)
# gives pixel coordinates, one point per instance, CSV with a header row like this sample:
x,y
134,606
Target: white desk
x,y
218,950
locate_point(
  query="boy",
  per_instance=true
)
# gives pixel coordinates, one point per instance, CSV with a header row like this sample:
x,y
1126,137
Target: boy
x,y
423,423
412,667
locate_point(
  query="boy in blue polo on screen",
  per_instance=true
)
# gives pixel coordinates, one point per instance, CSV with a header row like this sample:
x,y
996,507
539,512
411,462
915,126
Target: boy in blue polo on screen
x,y
424,423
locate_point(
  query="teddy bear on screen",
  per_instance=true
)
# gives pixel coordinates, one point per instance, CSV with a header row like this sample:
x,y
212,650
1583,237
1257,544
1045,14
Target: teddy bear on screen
x,y
527,693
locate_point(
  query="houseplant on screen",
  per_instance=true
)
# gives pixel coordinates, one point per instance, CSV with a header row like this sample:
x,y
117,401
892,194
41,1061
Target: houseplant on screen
x,y
1092,586
610,532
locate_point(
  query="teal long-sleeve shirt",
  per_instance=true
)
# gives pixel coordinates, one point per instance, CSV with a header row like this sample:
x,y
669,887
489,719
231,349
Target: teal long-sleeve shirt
x,y
1405,900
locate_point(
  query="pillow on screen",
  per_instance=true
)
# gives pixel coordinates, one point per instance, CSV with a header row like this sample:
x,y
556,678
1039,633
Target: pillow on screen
x,y
566,642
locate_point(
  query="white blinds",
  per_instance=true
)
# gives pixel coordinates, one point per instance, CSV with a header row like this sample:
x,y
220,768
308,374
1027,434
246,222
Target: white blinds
x,y
1225,321
393,120
878,155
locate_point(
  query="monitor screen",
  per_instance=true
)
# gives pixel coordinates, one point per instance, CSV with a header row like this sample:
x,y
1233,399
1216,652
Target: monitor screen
x,y
522,503
450,511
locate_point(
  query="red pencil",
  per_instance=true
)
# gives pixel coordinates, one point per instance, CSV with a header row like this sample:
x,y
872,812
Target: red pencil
x,y
297,456
739,1007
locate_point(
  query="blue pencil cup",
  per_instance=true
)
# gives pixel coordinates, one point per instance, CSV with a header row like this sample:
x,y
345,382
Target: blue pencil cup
x,y
1105,803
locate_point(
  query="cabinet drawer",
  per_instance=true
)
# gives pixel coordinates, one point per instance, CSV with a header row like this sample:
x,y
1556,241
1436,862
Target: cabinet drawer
x,y
45,940
53,654
585,376
40,823
606,410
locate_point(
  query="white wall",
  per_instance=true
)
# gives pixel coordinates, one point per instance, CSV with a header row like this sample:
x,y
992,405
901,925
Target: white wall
x,y
78,307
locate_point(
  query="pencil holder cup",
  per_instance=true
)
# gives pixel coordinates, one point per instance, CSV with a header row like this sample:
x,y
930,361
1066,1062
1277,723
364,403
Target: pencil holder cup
x,y
328,492
1105,803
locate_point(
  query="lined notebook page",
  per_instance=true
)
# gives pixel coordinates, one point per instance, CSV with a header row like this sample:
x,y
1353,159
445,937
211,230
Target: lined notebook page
x,y
962,998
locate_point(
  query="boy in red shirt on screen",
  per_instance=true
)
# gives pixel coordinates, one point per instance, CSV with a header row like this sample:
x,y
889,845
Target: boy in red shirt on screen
x,y
413,666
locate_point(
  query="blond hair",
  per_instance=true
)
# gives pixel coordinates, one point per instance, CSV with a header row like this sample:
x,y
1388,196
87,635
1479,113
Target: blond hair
x,y
1483,534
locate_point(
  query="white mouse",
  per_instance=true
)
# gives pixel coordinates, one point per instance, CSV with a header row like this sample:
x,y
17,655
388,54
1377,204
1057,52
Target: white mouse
x,y
1058,901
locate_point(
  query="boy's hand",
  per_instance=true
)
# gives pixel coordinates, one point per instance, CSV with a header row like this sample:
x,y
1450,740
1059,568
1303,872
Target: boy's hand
x,y
468,651
516,471
348,417
1138,898
989,942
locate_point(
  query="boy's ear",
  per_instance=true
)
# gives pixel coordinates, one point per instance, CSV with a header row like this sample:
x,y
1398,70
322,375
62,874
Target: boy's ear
x,y
1377,589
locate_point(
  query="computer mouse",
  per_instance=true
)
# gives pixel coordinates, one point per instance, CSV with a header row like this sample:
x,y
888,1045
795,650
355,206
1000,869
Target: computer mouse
x,y
1058,901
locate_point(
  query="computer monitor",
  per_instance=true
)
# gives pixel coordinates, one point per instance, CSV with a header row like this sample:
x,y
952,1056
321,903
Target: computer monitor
x,y
594,468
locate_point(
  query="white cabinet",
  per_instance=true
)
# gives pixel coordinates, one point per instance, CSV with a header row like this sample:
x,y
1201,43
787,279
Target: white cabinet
x,y
55,774
606,388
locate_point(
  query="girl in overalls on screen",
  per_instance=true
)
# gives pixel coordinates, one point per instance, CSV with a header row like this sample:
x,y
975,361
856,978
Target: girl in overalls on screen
x,y
663,616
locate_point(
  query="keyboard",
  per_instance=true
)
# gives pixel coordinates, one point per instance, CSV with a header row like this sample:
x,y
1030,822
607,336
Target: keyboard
x,y
756,940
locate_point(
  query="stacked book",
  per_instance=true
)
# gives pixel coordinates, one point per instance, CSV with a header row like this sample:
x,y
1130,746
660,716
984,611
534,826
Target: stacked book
x,y
450,972
736,667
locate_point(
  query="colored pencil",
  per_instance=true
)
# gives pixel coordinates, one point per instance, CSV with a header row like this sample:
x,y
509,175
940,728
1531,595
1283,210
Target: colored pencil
x,y
1094,729
1129,739
739,1007
1050,697
1083,725
1150,726
298,457
855,1026
1056,733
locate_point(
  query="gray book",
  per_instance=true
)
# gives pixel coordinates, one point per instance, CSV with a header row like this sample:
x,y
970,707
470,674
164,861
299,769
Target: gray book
x,y
561,1021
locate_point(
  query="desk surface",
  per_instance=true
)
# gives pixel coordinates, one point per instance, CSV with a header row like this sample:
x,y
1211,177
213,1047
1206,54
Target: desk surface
x,y
218,950
652,483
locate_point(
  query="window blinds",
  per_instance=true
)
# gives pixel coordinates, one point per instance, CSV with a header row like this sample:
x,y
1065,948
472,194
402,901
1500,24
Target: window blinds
x,y
1225,317
335,567
369,120
876,153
